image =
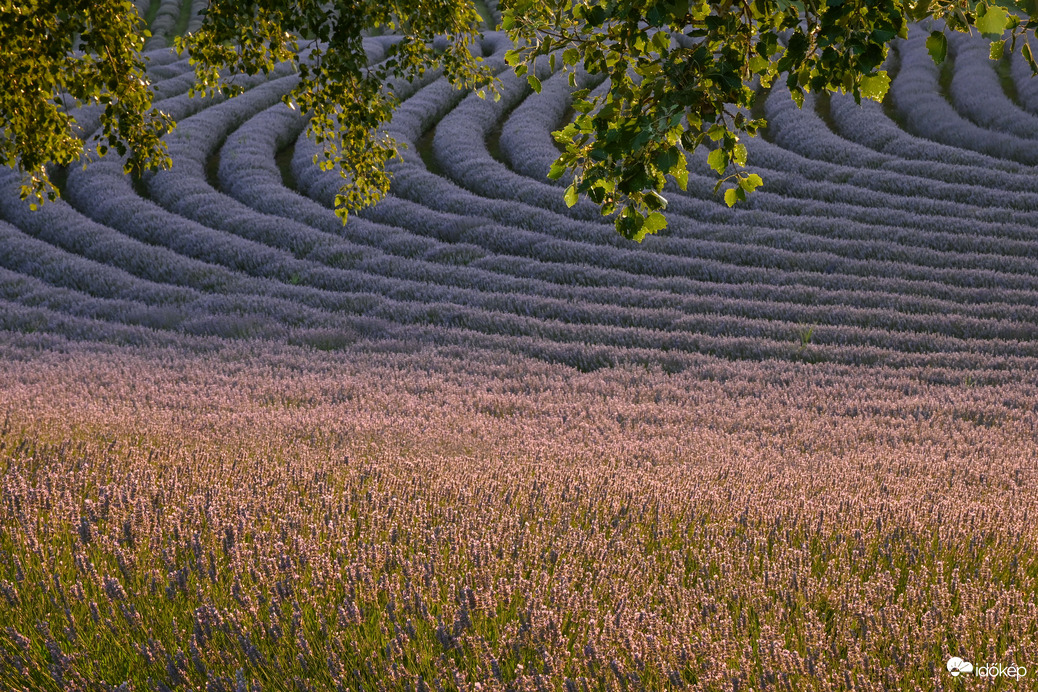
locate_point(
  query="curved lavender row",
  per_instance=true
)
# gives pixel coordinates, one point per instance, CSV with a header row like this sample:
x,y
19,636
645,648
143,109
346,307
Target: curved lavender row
x,y
436,193
526,143
870,126
530,143
460,149
425,101
915,244
168,79
935,367
105,291
493,7
61,225
460,162
270,302
538,244
30,292
411,114
818,228
1024,83
375,47
708,277
375,50
248,173
583,242
977,94
258,260
18,285
462,317
766,327
163,24
804,133
18,318
173,86
464,162
251,154
423,314
254,258
23,305
916,96
544,308
787,123
240,301
883,197
787,170
398,268
157,57
196,17
106,195
158,71
692,353
36,258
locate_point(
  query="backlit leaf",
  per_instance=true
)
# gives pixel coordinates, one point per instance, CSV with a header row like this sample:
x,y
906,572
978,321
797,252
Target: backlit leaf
x,y
937,46
992,21
875,86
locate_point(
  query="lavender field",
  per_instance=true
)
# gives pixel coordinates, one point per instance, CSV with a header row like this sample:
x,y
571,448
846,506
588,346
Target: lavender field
x,y
475,440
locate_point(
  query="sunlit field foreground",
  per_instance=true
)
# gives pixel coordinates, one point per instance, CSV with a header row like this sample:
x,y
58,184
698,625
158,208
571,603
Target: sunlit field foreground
x,y
475,440
262,517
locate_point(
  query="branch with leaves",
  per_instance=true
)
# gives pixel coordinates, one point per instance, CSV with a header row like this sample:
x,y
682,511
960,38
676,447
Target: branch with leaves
x,y
56,55
682,75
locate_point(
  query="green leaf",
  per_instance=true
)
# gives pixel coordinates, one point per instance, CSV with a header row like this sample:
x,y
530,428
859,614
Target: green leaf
x,y
758,64
680,174
654,222
718,160
733,195
596,16
556,171
629,224
992,22
751,182
535,83
875,86
937,46
570,56
1025,51
582,106
997,50
739,154
571,195
654,200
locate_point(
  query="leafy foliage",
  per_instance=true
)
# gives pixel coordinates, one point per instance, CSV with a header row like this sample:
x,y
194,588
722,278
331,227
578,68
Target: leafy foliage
x,y
345,97
682,75
56,55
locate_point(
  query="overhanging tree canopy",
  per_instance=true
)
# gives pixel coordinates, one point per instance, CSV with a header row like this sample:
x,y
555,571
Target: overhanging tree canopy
x,y
681,75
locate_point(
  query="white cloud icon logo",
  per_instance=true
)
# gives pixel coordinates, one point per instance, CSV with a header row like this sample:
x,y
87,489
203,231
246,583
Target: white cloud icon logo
x,y
956,666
